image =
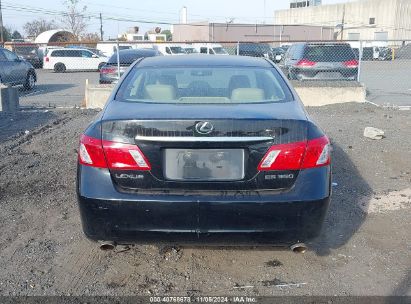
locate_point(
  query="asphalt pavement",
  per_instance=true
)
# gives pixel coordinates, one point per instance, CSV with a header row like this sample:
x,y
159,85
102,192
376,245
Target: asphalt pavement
x,y
58,89
387,82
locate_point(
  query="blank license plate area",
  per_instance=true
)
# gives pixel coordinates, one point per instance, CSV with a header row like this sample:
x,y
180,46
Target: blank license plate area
x,y
204,164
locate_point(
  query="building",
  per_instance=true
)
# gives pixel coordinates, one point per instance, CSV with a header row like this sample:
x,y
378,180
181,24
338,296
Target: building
x,y
379,20
133,35
233,32
51,36
304,3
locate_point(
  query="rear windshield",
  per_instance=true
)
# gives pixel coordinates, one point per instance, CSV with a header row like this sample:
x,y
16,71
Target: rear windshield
x,y
329,53
218,85
26,50
130,57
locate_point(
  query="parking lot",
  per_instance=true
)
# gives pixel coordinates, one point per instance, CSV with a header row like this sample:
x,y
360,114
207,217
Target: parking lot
x,y
364,248
387,83
58,89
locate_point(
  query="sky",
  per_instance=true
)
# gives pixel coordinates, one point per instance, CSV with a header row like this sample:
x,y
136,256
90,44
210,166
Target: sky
x,y
17,12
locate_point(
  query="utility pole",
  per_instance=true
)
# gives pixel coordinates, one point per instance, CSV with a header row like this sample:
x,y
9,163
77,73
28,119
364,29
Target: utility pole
x,y
1,26
264,10
101,27
342,23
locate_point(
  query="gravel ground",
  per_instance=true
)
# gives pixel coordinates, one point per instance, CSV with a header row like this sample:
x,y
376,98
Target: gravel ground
x,y
364,248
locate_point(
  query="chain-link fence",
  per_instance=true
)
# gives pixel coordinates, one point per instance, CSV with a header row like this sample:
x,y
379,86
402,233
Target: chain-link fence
x,y
56,74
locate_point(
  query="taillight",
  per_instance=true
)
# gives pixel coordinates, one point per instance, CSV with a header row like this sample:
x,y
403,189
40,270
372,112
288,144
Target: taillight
x,y
112,155
317,154
108,70
47,59
305,63
295,156
124,156
351,63
283,157
91,152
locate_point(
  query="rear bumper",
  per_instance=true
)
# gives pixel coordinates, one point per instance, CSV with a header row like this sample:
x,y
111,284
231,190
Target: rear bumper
x,y
276,218
325,74
269,223
107,79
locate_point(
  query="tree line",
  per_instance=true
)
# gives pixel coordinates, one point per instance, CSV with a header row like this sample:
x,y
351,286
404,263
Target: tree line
x,y
73,18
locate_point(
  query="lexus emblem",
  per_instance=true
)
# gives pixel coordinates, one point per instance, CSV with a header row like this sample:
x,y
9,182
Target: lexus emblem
x,y
204,127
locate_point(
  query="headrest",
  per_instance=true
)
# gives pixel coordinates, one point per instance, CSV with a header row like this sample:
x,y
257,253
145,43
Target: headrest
x,y
161,92
238,81
247,94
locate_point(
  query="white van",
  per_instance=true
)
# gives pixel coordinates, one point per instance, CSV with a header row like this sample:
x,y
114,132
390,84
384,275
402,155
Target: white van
x,y
169,49
210,48
64,59
109,49
189,49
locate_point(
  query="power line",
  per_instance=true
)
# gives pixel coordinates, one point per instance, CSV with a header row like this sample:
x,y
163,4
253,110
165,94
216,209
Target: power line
x,y
174,14
36,10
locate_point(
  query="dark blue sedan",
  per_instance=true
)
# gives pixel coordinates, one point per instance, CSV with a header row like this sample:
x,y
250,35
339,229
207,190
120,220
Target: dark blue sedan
x,y
203,149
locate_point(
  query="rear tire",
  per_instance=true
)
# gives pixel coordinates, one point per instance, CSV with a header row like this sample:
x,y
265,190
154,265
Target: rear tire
x,y
59,68
30,82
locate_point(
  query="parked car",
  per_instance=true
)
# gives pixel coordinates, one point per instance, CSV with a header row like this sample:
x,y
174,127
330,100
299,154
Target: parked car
x,y
95,51
320,61
31,55
16,71
285,47
190,49
369,53
255,50
404,52
169,49
384,53
109,73
203,149
210,48
63,59
26,51
110,48
278,54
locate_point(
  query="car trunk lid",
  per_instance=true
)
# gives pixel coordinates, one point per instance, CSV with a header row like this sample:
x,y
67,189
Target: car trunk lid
x,y
220,150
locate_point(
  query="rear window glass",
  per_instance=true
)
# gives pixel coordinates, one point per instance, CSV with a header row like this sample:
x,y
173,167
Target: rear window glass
x,y
129,58
329,53
204,85
26,50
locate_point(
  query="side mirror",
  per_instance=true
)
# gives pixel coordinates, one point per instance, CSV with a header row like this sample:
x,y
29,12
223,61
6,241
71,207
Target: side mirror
x,y
94,56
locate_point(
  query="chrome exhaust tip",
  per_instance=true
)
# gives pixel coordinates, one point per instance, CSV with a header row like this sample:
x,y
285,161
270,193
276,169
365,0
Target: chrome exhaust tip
x,y
107,246
299,248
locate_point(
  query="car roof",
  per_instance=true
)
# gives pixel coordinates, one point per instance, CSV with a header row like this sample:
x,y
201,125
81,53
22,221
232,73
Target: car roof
x,y
204,61
137,51
323,43
69,49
